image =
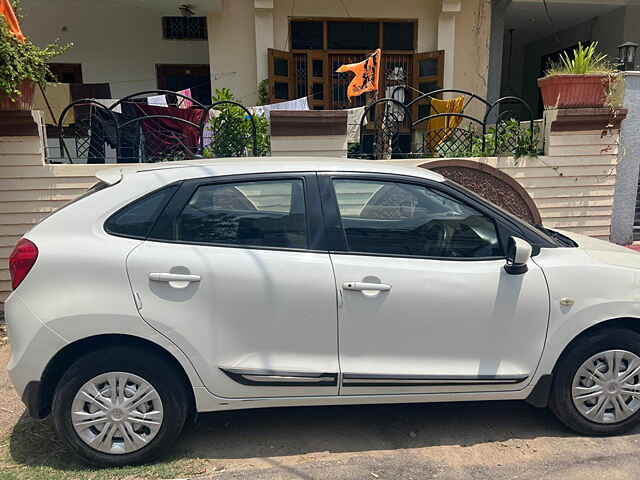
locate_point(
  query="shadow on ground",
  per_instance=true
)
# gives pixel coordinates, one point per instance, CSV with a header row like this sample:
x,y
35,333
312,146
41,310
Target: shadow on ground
x,y
272,432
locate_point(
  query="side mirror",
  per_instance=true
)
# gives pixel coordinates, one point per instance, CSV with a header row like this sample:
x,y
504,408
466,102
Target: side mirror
x,y
518,254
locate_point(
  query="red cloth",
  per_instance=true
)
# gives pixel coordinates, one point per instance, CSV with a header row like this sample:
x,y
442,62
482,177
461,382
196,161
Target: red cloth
x,y
170,134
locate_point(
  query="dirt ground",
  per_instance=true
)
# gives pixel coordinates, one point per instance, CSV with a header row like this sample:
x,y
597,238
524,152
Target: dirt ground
x,y
498,440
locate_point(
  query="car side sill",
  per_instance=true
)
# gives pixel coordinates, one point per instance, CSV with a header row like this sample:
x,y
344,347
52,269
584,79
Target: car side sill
x,y
258,377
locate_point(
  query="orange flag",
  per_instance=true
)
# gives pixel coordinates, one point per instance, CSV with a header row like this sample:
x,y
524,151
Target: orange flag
x,y
366,77
10,17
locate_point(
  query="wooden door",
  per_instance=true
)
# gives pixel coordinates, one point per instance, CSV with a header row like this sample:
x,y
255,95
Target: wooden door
x,y
428,75
318,80
281,76
176,77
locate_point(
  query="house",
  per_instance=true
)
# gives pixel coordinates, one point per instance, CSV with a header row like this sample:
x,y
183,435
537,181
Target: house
x,y
296,44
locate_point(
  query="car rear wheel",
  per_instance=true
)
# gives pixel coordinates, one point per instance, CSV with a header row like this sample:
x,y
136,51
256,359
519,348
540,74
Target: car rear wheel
x,y
596,387
119,406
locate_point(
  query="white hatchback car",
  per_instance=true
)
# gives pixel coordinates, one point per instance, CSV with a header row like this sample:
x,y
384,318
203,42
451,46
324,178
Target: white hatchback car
x,y
247,283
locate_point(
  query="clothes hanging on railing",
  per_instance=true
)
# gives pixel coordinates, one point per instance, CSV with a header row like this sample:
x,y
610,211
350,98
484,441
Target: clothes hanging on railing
x,y
444,126
184,102
295,105
103,131
354,115
165,134
110,102
159,100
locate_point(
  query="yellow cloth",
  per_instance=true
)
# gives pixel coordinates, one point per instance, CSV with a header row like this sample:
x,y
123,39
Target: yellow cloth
x,y
59,96
442,127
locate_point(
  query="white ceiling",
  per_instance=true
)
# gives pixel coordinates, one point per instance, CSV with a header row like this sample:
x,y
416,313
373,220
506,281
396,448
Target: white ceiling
x,y
530,21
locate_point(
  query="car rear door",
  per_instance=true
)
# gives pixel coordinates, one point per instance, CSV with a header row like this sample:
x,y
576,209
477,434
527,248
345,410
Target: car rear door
x,y
426,304
236,273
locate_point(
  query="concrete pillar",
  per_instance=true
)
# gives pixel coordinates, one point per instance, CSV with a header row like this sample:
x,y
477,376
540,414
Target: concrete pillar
x,y
624,205
447,37
498,13
232,49
264,36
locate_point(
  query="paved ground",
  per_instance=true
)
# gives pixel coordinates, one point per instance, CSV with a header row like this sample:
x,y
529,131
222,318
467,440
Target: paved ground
x,y
502,440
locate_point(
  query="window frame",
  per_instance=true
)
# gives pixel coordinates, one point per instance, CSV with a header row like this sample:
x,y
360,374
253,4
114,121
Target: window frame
x,y
314,221
505,227
325,39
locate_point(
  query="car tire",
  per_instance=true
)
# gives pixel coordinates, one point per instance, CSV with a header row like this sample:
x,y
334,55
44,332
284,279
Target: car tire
x,y
146,367
562,394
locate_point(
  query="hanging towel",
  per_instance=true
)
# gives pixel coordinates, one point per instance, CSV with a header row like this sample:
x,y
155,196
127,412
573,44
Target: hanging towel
x,y
183,102
294,105
164,135
443,127
59,96
354,115
158,100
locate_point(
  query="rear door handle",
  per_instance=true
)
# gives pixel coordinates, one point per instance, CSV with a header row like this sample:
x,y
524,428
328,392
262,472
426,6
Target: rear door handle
x,y
173,277
360,286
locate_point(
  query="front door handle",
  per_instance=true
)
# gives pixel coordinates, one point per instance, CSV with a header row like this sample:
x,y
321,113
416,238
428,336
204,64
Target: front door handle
x,y
173,277
365,286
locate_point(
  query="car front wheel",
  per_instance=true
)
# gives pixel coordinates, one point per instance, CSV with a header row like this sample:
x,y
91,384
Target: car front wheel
x,y
596,388
119,407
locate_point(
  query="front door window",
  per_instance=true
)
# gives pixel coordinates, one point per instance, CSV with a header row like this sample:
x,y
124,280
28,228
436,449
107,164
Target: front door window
x,y
412,220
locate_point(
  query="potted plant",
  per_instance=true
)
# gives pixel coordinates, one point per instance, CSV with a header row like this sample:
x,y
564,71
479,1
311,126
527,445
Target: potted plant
x,y
580,80
23,65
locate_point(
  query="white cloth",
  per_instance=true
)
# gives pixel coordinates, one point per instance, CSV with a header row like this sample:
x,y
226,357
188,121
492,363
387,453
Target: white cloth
x,y
109,102
397,110
295,105
207,133
354,115
159,100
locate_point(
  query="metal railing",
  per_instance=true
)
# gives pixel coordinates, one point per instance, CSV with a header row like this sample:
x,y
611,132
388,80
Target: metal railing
x,y
131,131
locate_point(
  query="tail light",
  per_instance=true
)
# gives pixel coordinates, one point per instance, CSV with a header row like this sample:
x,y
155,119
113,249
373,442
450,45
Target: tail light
x,y
21,260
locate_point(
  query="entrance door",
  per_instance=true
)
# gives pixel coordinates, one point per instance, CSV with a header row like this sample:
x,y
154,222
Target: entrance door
x,y
235,277
427,305
180,77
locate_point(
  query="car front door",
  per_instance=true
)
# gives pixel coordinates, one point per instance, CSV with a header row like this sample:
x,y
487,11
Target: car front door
x,y
426,305
235,273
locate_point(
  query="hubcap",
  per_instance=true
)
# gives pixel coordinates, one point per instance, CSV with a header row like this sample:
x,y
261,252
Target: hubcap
x,y
117,412
606,388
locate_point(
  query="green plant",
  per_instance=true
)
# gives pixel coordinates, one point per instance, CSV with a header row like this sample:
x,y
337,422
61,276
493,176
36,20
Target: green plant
x,y
582,61
508,138
20,61
232,130
263,92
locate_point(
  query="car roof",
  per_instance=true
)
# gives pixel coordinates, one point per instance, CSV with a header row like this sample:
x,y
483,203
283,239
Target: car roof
x,y
180,170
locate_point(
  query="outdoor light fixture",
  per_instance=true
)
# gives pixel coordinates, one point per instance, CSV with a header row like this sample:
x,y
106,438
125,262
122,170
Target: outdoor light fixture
x,y
627,55
186,10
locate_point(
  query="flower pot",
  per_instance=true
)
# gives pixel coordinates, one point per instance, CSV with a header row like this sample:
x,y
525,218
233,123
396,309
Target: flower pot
x,y
574,91
21,103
